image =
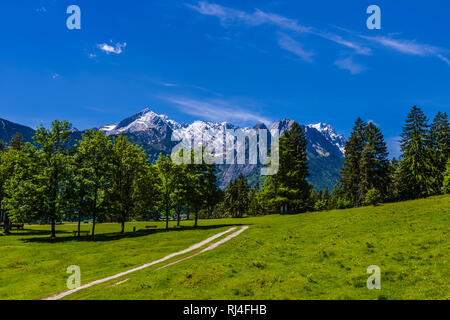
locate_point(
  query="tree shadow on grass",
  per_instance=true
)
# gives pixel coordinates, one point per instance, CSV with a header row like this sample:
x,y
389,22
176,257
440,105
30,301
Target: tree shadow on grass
x,y
103,237
34,232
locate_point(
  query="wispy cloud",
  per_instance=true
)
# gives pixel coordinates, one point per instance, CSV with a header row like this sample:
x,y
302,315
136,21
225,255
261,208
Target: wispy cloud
x,y
117,49
55,76
360,44
291,45
92,55
350,65
216,110
41,9
410,47
446,60
360,49
229,15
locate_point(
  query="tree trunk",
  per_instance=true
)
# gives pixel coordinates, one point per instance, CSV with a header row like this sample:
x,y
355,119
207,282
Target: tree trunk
x,y
123,227
6,225
94,213
53,228
196,220
179,217
79,224
167,217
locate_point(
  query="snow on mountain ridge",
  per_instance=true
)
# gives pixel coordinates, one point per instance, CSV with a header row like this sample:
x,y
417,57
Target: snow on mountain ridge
x,y
158,127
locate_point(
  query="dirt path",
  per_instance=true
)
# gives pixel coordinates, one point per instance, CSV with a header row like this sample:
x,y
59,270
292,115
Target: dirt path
x,y
191,248
211,247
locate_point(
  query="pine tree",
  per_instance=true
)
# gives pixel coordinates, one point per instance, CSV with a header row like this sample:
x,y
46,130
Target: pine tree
x,y
446,183
439,140
350,173
416,165
374,164
242,200
254,205
293,189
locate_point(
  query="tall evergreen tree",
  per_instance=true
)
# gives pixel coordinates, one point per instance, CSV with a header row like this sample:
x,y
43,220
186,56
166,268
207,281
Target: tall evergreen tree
x,y
440,144
350,172
374,163
446,183
293,169
416,165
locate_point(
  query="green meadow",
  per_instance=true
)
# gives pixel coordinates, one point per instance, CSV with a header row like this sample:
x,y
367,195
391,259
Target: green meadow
x,y
319,255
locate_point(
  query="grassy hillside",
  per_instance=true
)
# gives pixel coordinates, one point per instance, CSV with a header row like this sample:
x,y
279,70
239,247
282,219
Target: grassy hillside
x,y
308,256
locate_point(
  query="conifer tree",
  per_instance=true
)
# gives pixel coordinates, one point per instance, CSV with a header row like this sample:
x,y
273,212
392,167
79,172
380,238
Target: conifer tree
x,y
293,171
416,165
374,163
446,183
439,140
350,173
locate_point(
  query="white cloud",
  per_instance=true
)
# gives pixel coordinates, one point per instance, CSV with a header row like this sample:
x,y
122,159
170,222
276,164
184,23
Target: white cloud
x,y
350,65
446,60
291,45
41,9
229,15
410,47
215,110
55,76
117,49
349,44
92,55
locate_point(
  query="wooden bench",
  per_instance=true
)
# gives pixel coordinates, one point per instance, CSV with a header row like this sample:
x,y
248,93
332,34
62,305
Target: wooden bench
x,y
75,233
18,226
151,227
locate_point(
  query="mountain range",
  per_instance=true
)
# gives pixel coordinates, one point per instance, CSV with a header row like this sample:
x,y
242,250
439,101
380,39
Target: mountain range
x,y
325,148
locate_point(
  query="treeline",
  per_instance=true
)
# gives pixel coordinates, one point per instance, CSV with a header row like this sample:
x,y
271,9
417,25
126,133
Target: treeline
x,y
368,176
110,179
100,179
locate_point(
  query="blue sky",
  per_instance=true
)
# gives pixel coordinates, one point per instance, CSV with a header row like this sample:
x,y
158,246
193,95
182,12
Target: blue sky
x,y
244,62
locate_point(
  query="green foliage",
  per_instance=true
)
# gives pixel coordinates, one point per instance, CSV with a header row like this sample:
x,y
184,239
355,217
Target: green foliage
x,y
416,165
366,164
128,161
288,190
373,197
439,140
91,175
446,183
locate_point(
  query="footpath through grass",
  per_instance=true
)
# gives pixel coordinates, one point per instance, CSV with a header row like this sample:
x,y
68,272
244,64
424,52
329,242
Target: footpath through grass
x,y
308,256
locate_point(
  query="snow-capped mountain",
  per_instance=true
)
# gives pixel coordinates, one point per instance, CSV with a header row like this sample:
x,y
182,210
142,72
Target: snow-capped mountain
x,y
154,132
154,128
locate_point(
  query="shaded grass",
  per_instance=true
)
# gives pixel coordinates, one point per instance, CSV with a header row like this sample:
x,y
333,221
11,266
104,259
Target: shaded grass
x,y
308,256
